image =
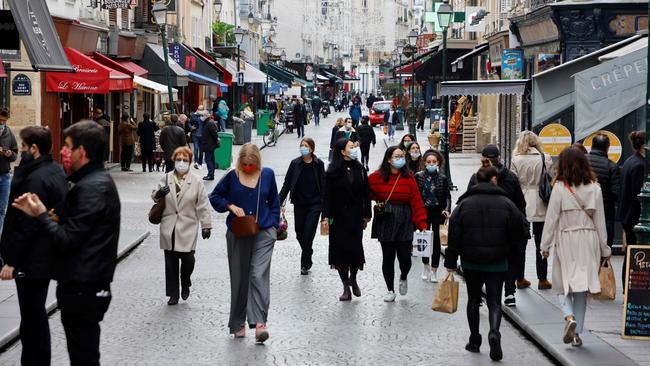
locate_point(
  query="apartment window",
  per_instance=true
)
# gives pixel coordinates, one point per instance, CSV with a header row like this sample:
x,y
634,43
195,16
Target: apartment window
x,y
112,17
364,3
125,18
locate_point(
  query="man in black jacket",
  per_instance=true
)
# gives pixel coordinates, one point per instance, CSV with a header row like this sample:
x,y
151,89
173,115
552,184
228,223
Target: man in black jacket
x,y
8,154
84,239
609,179
209,143
26,249
172,137
316,106
300,117
147,132
484,229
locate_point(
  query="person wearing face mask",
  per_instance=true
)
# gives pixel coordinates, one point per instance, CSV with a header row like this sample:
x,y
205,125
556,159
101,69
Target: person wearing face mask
x,y
305,182
249,190
8,154
394,186
348,132
27,253
435,192
346,213
406,142
84,239
414,157
186,208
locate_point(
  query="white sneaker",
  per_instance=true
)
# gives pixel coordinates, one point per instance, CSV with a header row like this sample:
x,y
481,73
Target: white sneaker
x,y
434,276
426,272
390,296
403,287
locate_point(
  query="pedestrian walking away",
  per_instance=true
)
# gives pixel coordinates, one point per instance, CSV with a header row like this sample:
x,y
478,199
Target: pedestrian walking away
x,y
436,196
104,121
632,175
187,210
608,175
84,239
27,253
366,137
528,162
346,213
483,229
305,183
575,229
355,112
420,116
172,136
209,143
393,186
147,132
222,113
316,106
249,190
8,154
127,141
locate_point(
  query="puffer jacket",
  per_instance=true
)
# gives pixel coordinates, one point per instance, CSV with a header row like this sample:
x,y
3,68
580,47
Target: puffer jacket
x,y
609,177
508,181
485,226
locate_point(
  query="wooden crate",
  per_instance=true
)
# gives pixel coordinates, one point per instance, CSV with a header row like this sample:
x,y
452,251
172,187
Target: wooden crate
x,y
469,134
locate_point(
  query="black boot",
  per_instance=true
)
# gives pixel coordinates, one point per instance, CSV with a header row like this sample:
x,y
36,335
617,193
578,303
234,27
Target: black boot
x,y
494,338
355,286
346,296
474,344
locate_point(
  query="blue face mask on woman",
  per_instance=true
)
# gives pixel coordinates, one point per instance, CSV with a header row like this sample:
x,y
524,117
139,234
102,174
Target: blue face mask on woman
x,y
398,163
432,168
304,151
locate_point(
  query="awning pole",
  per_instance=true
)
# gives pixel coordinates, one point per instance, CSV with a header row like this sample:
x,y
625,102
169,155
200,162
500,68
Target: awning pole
x,y
643,228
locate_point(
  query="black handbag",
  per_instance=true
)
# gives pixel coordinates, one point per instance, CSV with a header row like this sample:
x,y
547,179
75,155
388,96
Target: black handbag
x,y
384,208
545,187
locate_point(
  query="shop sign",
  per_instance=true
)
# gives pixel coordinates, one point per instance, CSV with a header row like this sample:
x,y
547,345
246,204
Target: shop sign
x,y
628,24
9,37
21,85
475,19
496,50
512,64
541,32
547,61
555,138
615,146
116,4
171,8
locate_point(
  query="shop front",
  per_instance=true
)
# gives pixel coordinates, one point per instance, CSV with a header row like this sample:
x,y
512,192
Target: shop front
x,y
153,60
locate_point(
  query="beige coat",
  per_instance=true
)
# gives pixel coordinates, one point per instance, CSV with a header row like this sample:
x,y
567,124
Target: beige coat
x,y
183,215
528,169
578,241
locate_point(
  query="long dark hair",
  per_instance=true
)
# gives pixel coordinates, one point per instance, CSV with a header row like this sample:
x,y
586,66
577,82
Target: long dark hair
x,y
439,157
574,169
385,166
337,157
401,142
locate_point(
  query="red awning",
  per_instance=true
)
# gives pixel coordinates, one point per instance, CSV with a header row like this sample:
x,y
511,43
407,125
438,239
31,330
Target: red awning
x,y
227,76
90,77
134,68
121,77
406,69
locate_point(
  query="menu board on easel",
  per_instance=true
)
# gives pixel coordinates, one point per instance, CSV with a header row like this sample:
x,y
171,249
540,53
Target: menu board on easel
x,y
636,305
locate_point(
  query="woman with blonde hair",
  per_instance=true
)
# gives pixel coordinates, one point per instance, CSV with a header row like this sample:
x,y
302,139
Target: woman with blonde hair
x,y
527,163
186,208
249,190
337,126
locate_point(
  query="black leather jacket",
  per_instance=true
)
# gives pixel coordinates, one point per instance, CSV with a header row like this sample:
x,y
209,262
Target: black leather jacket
x,y
85,238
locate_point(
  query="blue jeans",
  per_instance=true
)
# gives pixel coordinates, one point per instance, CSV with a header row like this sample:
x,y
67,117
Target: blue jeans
x,y
198,154
209,161
316,118
391,130
5,186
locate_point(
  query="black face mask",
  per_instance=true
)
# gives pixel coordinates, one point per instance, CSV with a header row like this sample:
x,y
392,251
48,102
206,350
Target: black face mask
x,y
26,157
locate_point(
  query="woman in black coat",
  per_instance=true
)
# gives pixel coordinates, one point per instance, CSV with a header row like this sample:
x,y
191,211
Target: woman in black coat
x,y
305,181
346,212
366,137
147,133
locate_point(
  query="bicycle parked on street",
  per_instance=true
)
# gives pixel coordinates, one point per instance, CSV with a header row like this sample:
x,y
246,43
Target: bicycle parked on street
x,y
275,130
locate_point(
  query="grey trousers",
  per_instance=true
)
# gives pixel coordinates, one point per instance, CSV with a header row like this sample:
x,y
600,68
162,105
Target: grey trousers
x,y
249,261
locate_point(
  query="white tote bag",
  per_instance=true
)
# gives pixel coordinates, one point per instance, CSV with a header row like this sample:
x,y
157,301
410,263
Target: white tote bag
x,y
422,243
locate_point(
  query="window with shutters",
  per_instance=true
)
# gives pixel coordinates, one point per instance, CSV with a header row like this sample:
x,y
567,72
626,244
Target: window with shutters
x,y
112,17
125,19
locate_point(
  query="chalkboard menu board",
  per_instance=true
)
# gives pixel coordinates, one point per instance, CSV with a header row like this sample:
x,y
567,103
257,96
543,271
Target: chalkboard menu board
x,y
636,309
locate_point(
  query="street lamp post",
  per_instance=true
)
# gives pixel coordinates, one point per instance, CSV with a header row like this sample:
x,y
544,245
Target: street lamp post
x,y
239,37
400,50
159,11
643,228
444,20
267,49
413,37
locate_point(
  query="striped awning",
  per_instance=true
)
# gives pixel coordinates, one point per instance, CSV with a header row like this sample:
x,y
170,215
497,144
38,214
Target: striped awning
x,y
483,87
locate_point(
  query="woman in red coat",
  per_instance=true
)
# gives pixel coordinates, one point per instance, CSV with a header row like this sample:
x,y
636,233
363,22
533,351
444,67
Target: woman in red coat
x,y
394,187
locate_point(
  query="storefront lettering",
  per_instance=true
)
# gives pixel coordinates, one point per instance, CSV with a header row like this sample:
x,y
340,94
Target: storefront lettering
x,y
79,68
640,262
64,85
620,73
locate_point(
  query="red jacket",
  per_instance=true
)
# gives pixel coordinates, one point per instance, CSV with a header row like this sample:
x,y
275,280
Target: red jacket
x,y
406,192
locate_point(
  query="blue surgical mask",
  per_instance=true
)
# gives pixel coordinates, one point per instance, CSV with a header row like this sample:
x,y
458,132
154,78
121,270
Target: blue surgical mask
x,y
304,151
354,154
432,168
398,163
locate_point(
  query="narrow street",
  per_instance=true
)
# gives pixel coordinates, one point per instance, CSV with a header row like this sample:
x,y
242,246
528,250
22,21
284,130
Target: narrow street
x,y
307,323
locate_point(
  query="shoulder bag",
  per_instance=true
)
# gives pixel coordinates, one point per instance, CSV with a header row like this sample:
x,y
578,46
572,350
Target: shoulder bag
x,y
545,188
245,226
156,211
383,208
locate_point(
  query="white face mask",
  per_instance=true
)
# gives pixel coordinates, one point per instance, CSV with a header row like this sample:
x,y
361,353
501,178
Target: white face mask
x,y
182,166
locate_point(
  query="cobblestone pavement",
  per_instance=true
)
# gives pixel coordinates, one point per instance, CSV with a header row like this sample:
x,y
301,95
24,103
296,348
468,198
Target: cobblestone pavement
x,y
307,323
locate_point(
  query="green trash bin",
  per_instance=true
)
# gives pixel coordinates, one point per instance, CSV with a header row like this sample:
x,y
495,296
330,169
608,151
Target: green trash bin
x,y
223,155
263,117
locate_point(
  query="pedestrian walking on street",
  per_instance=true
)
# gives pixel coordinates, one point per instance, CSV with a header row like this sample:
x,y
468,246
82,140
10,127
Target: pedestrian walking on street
x,y
436,196
575,229
508,181
366,137
527,164
484,229
355,111
8,154
249,190
346,213
394,186
414,157
186,210
26,251
632,175
104,121
127,141
420,116
84,239
347,132
299,117
172,136
197,121
222,113
609,176
209,143
305,183
391,118
316,106
147,132
370,101
406,141
337,125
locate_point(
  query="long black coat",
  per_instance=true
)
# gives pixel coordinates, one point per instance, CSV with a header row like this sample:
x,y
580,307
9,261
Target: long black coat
x,y
146,131
609,179
210,138
346,204
631,184
24,245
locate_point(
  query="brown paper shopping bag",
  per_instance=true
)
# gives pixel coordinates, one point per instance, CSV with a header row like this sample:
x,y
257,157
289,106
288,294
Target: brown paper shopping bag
x,y
444,233
607,281
446,298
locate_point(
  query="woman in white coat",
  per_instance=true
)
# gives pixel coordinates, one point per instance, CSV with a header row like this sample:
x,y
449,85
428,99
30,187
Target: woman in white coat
x,y
575,229
186,207
527,164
